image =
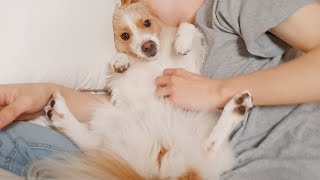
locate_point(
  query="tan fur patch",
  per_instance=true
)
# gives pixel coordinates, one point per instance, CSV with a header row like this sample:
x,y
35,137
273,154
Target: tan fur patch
x,y
161,154
125,44
190,175
111,165
126,2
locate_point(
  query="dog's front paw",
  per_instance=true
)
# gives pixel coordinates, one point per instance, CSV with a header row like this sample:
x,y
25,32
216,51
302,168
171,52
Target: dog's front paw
x,y
57,111
185,35
120,63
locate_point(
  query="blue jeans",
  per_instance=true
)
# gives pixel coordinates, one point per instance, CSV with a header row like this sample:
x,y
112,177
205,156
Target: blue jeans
x,y
23,142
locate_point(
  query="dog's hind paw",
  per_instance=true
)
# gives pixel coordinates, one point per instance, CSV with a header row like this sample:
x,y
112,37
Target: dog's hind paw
x,y
57,111
233,114
240,104
185,35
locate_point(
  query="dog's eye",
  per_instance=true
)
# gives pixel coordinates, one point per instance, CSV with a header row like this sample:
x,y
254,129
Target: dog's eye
x,y
125,36
147,23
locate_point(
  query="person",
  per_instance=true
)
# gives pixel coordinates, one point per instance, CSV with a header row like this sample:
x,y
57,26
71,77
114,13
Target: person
x,y
248,48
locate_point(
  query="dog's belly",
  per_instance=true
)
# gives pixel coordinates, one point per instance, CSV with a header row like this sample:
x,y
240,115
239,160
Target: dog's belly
x,y
140,124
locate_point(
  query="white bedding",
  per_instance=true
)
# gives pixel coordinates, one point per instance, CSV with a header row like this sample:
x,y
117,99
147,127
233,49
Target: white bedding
x,y
68,42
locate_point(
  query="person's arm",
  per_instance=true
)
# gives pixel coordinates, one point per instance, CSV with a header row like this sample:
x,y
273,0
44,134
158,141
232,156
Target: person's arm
x,y
26,101
295,82
79,102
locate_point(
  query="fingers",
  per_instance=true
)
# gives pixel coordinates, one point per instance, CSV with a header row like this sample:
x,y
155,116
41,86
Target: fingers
x,y
166,83
163,92
170,76
162,81
11,112
171,80
6,97
169,72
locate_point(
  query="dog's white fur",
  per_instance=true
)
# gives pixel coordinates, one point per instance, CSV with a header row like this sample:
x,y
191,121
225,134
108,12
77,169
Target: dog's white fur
x,y
148,134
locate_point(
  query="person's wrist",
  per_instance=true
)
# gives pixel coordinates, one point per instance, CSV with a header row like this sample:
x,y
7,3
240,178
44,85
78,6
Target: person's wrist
x,y
50,88
223,93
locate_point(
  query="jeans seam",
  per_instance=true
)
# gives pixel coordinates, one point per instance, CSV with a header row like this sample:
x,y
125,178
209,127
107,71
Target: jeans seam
x,y
41,146
18,140
14,154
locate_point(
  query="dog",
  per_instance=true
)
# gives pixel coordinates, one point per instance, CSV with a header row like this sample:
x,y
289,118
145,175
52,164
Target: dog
x,y
137,135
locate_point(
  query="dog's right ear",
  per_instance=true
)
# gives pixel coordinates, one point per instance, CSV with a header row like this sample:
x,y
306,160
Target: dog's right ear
x,y
126,2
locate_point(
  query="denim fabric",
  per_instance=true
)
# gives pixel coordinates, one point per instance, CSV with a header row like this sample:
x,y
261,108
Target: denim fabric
x,y
23,142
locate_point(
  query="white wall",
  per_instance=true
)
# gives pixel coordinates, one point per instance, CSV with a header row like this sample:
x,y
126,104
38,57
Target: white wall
x,y
64,41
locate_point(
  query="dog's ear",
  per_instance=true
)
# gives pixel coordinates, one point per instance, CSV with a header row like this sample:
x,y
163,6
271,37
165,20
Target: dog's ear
x,y
126,2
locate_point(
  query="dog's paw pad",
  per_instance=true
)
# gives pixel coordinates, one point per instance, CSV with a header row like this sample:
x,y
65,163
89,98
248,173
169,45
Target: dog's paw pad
x,y
119,67
240,104
56,110
49,114
241,110
120,63
52,103
243,103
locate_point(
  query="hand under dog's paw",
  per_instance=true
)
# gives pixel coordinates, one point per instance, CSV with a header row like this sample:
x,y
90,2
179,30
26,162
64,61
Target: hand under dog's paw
x,y
185,35
120,63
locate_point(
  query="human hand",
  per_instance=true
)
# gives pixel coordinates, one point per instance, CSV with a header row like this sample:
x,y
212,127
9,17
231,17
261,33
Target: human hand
x,y
22,101
190,91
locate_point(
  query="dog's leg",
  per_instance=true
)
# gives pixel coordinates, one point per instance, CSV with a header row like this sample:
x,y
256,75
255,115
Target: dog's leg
x,y
233,114
185,36
63,120
120,63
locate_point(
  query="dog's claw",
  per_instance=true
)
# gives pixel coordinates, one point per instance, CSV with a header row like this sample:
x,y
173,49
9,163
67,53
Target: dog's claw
x,y
184,39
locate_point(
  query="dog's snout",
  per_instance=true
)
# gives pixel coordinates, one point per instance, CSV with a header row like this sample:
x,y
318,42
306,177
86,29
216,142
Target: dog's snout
x,y
149,48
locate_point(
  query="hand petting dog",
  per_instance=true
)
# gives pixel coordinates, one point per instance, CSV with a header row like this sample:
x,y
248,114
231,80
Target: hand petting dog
x,y
190,91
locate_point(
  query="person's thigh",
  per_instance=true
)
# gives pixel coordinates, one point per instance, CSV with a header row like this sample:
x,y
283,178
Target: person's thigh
x,y
23,142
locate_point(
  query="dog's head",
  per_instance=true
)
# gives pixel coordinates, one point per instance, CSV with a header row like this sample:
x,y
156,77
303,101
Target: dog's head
x,y
136,30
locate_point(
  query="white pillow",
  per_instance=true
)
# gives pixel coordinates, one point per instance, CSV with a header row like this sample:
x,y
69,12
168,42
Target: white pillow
x,y
68,42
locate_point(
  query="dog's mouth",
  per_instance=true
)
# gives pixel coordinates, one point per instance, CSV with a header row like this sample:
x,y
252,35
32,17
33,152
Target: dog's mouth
x,y
153,54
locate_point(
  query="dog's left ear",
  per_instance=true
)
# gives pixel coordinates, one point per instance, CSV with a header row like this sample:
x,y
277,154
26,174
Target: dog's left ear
x,y
126,2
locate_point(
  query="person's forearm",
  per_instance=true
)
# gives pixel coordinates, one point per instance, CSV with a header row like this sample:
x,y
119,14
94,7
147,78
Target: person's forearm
x,y
78,102
295,82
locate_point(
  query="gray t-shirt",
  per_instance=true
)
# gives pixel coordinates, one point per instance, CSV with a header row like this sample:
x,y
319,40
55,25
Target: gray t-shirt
x,y
280,142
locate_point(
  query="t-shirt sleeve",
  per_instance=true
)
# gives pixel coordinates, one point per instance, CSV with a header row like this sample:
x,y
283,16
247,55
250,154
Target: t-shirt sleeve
x,y
251,19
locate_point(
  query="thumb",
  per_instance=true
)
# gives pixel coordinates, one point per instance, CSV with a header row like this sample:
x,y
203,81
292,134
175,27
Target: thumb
x,y
11,112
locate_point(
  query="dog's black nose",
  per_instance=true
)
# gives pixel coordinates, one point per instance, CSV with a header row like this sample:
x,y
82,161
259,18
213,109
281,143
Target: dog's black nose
x,y
149,48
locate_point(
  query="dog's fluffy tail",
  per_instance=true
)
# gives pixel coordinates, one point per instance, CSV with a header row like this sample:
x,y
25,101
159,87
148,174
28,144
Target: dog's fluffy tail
x,y
95,165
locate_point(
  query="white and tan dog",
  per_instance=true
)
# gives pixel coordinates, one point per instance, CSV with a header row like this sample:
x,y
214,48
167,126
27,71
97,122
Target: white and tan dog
x,y
137,135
